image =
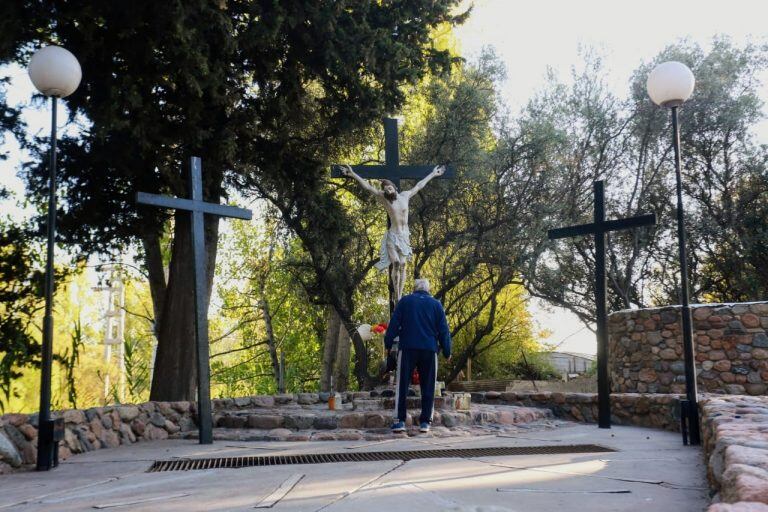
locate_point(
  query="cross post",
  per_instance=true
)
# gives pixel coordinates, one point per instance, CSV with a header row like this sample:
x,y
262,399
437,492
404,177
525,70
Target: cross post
x,y
598,229
394,172
197,207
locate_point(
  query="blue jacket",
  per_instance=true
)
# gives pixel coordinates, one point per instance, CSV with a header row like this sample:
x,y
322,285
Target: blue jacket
x,y
419,320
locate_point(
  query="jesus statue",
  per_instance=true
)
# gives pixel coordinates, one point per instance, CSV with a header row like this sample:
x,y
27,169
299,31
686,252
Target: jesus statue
x,y
396,244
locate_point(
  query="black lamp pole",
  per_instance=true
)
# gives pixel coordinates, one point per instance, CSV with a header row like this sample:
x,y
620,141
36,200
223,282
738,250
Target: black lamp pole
x,y
46,456
688,349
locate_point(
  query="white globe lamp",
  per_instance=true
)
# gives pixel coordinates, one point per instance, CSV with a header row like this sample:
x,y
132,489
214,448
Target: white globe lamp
x,y
55,71
670,84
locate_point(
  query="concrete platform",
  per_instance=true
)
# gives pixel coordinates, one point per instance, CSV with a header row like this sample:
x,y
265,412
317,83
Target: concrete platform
x,y
651,471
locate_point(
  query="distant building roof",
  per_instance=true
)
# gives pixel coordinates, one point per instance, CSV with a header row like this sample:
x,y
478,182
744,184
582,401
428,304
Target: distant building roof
x,y
591,357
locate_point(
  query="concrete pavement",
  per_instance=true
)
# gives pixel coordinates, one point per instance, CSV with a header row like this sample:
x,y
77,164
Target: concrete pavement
x,y
651,471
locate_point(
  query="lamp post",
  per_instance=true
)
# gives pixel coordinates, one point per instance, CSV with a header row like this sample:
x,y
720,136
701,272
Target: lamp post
x,y
55,72
669,85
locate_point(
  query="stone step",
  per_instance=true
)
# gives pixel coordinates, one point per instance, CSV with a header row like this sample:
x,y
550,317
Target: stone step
x,y
324,419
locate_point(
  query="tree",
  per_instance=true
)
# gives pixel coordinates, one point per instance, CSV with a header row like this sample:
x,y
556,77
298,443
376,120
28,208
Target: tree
x,y
263,92
595,135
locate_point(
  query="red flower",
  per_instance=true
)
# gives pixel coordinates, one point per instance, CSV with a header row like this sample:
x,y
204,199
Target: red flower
x,y
379,328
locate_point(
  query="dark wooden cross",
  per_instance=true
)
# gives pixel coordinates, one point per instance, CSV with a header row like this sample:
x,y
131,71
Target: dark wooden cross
x,y
393,171
598,229
198,208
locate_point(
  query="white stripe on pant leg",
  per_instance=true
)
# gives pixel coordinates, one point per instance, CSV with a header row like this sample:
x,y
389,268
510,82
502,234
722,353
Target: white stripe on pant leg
x,y
434,392
397,383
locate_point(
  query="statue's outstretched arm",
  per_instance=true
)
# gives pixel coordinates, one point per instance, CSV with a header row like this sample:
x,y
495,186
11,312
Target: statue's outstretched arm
x,y
437,171
347,171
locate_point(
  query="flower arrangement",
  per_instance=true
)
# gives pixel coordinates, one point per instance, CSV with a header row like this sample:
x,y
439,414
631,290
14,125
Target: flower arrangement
x,y
380,328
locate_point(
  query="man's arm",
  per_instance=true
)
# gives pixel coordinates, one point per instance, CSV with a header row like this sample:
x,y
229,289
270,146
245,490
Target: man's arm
x,y
443,331
347,171
439,170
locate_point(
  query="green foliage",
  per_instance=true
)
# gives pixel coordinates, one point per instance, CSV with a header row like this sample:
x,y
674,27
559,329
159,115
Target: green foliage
x,y
254,271
20,291
591,134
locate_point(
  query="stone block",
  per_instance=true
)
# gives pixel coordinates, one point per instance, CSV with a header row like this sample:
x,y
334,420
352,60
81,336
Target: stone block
x,y
756,389
127,434
349,435
110,439
28,430
154,433
326,422
279,434
243,401
742,482
760,340
128,412
374,404
8,452
263,401
233,421
670,354
308,398
377,420
353,421
157,419
735,389
299,421
75,416
722,366
265,421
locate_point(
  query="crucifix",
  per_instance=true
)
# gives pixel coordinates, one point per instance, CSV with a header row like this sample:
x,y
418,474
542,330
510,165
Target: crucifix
x,y
598,229
197,207
393,172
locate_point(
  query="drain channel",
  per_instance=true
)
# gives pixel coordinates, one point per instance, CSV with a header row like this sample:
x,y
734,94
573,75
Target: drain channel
x,y
325,458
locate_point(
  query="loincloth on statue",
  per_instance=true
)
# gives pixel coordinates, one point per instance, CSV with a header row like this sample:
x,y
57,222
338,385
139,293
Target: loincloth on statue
x,y
400,243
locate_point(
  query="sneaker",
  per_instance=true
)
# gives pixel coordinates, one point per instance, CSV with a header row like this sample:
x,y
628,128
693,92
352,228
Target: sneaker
x,y
424,427
398,426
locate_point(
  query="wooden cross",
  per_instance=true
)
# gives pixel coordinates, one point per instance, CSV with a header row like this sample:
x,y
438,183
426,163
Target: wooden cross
x,y
392,171
198,208
598,229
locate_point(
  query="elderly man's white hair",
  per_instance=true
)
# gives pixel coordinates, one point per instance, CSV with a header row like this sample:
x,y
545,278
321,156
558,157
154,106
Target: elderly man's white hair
x,y
421,285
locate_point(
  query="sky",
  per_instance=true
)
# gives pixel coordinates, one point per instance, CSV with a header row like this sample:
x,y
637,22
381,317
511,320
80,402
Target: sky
x,y
530,37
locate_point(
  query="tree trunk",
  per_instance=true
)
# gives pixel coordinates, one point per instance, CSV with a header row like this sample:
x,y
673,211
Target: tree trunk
x,y
341,366
271,341
333,323
153,259
175,373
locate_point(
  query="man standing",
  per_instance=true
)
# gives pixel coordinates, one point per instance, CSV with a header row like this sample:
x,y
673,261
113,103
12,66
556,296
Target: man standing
x,y
419,320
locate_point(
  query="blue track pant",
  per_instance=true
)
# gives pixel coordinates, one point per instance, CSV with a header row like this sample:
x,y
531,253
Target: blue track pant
x,y
426,362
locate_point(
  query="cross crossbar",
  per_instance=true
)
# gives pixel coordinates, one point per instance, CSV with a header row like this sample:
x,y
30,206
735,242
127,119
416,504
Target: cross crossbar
x,y
178,203
604,227
392,170
403,172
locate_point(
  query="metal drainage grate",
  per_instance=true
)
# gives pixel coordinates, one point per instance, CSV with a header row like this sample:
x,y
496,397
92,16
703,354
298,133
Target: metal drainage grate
x,y
323,458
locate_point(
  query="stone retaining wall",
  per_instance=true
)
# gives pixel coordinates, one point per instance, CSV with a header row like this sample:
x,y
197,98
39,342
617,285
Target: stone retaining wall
x,y
731,345
91,429
735,441
642,410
